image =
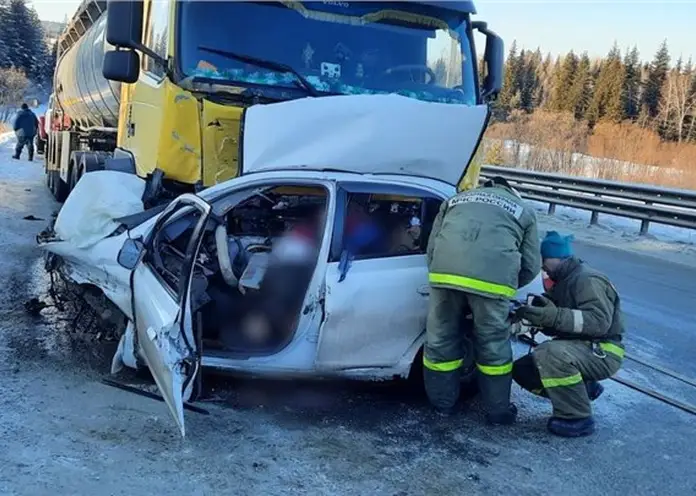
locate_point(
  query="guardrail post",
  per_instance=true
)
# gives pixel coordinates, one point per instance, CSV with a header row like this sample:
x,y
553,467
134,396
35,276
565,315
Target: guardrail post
x,y
552,208
645,223
594,218
595,215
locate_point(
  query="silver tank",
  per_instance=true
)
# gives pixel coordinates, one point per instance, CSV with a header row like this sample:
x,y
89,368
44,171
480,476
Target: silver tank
x,y
83,93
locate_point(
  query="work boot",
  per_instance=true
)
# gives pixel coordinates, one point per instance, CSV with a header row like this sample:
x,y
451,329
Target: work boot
x,y
442,389
594,389
16,157
571,427
495,393
31,158
505,417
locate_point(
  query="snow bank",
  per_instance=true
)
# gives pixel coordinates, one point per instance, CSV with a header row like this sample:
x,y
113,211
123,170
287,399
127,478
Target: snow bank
x,y
665,242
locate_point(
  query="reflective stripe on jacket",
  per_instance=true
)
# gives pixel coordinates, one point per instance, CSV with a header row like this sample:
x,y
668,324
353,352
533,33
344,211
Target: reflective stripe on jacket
x,y
484,241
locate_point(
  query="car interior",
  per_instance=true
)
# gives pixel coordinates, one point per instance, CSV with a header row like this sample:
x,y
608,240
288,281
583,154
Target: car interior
x,y
257,259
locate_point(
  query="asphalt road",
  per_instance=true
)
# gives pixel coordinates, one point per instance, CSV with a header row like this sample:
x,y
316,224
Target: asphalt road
x,y
63,432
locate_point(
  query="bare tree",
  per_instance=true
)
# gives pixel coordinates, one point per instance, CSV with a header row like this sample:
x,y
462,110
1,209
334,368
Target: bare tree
x,y
13,83
678,105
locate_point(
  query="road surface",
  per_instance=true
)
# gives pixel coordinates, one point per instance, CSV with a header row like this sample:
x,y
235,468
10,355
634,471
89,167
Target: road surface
x,y
64,432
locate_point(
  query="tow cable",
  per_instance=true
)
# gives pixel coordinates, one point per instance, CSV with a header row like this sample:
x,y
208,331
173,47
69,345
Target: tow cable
x,y
637,387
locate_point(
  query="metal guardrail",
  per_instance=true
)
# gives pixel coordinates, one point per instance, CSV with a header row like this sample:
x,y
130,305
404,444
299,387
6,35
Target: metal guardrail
x,y
646,203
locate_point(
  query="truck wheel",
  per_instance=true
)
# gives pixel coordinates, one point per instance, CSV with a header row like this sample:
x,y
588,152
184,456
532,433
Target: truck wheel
x,y
57,186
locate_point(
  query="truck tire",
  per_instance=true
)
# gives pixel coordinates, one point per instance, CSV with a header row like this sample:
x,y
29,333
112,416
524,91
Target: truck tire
x,y
40,145
58,188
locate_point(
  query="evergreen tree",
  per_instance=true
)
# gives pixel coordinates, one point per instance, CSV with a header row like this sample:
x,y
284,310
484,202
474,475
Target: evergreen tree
x,y
552,80
652,93
22,36
529,79
4,48
561,98
511,80
631,84
607,102
581,91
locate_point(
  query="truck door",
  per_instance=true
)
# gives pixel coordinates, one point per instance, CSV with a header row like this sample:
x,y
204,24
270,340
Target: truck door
x,y
162,308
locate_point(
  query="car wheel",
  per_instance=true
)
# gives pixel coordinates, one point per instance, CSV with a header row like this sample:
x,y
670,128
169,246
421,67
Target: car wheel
x,y
469,382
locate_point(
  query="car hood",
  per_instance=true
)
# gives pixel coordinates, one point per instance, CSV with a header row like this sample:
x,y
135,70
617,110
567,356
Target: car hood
x,y
366,134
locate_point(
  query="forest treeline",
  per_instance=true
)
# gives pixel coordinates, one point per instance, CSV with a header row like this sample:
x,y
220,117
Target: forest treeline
x,y
616,107
25,59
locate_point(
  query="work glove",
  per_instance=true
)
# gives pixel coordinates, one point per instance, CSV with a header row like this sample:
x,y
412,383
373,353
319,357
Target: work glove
x,y
542,313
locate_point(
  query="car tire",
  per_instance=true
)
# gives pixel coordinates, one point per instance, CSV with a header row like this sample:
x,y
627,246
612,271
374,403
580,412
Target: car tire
x,y
469,382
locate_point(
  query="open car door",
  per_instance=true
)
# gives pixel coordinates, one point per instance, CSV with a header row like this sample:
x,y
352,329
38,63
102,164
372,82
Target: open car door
x,y
162,308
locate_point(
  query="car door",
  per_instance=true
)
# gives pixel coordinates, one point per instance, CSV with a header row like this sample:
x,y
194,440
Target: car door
x,y
375,307
163,321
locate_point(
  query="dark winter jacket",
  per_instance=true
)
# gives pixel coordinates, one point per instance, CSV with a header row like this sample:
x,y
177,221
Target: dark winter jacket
x,y
26,124
484,241
588,304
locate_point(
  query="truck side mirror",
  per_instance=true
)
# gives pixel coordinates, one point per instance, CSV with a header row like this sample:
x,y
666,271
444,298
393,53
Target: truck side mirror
x,y
494,57
122,66
124,23
124,30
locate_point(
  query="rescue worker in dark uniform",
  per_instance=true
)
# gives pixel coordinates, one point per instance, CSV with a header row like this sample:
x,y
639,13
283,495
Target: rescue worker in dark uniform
x,y
483,247
582,313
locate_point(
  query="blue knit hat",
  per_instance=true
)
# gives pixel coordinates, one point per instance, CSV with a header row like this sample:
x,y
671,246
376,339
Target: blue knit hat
x,y
556,246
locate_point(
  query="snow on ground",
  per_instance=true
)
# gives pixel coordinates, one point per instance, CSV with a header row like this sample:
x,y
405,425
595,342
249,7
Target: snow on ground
x,y
670,243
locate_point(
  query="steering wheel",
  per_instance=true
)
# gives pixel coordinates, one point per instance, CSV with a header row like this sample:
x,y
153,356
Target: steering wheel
x,y
410,68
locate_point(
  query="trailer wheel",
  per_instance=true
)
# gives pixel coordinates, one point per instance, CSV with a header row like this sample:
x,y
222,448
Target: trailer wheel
x,y
57,186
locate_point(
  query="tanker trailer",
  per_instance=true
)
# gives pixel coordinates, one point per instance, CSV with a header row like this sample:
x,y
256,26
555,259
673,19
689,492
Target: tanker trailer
x,y
84,107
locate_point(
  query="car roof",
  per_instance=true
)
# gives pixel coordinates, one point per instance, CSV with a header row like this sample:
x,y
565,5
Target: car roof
x,y
293,175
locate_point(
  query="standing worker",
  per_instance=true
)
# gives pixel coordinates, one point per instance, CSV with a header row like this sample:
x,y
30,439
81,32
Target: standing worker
x,y
26,126
582,314
483,247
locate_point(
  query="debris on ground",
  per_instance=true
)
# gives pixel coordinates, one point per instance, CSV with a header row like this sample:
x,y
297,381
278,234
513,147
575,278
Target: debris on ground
x,y
31,217
34,306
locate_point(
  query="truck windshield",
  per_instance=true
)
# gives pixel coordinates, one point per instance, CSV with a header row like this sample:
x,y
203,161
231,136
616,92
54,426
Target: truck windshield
x,y
415,50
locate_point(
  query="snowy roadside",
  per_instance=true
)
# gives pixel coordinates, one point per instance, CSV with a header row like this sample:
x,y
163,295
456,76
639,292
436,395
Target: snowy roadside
x,y
669,243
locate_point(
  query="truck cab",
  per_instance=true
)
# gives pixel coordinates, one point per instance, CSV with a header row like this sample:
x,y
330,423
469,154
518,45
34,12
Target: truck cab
x,y
184,71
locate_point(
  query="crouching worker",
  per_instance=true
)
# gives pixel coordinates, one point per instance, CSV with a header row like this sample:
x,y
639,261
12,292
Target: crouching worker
x,y
482,247
582,313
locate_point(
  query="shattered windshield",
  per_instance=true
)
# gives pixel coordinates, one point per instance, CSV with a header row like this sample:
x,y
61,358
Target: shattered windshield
x,y
414,50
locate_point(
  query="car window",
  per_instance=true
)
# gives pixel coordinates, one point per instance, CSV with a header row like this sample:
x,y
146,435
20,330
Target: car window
x,y
386,225
169,249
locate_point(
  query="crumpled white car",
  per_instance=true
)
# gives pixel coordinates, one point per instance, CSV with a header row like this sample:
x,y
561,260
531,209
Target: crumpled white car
x,y
366,173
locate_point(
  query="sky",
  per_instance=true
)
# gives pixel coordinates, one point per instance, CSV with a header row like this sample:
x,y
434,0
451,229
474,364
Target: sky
x,y
557,26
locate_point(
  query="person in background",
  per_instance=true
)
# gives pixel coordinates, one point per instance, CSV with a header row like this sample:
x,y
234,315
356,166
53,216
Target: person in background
x,y
26,126
581,312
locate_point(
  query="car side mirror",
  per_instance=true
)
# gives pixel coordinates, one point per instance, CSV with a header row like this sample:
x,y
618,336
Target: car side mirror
x,y
130,252
122,66
494,57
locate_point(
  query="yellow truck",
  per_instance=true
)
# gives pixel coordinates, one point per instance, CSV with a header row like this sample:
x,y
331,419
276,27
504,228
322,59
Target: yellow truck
x,y
159,88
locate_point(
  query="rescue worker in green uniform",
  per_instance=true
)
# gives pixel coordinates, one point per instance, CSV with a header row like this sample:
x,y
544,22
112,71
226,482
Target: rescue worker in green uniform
x,y
582,314
484,245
